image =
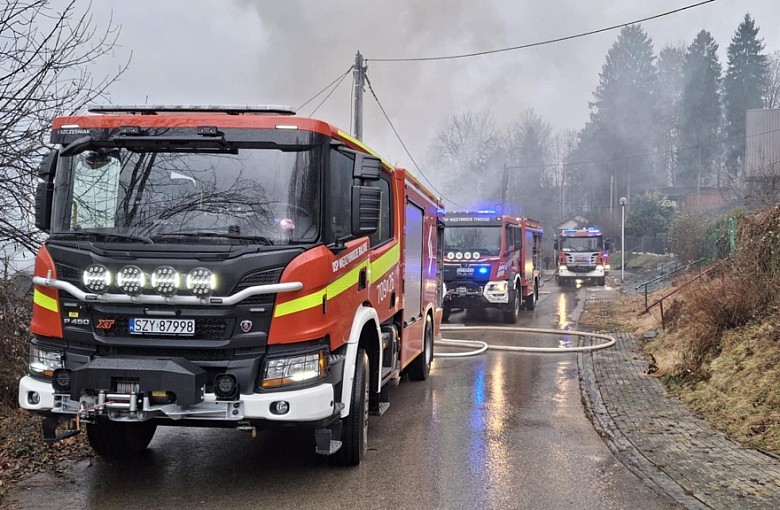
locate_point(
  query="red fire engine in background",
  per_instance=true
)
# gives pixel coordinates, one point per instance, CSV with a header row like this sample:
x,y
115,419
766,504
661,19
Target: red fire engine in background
x,y
491,261
226,266
582,254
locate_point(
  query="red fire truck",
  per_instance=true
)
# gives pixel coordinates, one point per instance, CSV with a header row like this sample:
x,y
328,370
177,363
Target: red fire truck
x,y
582,254
491,261
229,267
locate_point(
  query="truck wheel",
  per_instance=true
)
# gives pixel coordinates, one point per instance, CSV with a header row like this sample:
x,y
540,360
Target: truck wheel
x,y
512,310
601,281
421,366
354,428
561,281
530,301
120,440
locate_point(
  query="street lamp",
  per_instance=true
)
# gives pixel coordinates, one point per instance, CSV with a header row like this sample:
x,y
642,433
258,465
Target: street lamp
x,y
623,201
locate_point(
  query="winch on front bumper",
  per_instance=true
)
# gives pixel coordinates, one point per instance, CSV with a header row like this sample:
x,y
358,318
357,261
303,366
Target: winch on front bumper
x,y
141,389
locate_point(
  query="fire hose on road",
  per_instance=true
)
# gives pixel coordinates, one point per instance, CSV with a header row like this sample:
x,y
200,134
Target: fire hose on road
x,y
479,346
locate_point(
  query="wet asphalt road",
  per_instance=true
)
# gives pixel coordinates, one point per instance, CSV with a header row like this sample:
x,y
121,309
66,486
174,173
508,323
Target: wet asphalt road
x,y
500,430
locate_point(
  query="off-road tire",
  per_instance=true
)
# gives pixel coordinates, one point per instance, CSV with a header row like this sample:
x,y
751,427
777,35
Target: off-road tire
x,y
354,428
420,368
511,313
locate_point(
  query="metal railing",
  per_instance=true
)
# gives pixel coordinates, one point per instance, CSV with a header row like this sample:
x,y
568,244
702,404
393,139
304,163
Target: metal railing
x,y
665,276
660,301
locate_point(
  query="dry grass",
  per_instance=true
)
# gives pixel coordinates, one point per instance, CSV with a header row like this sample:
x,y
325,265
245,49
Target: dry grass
x,y
720,352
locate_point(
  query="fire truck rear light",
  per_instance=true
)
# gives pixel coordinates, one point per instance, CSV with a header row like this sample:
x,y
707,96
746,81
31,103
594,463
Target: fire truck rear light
x,y
96,278
280,407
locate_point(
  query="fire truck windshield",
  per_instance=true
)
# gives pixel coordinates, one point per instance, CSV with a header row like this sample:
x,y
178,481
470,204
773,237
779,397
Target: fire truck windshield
x,y
580,244
255,196
484,239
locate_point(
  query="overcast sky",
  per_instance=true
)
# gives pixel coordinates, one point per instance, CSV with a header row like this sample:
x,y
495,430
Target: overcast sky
x,y
284,51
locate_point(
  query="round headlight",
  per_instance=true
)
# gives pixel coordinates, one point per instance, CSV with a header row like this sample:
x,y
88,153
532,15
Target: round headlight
x,y
450,255
166,280
458,255
201,282
467,255
131,280
96,278
475,255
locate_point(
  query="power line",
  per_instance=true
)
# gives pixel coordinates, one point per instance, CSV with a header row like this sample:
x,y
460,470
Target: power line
x,y
329,94
312,98
371,88
541,43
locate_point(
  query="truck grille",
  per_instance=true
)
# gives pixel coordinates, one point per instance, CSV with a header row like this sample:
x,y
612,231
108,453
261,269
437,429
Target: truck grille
x,y
151,352
268,277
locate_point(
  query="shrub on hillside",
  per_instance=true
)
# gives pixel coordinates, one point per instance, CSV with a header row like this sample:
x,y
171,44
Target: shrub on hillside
x,y
736,292
14,333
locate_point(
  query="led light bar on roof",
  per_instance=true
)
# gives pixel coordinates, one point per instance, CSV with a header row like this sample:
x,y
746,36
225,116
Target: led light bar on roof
x,y
151,109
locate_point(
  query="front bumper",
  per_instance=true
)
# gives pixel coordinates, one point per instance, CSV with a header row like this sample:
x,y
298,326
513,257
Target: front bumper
x,y
470,295
596,272
304,405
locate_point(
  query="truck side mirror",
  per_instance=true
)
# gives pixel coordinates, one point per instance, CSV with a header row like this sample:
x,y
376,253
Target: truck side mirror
x,y
608,244
45,190
366,207
555,245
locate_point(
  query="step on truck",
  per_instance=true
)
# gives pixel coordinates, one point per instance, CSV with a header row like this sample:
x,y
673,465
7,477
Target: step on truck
x,y
491,261
582,254
228,267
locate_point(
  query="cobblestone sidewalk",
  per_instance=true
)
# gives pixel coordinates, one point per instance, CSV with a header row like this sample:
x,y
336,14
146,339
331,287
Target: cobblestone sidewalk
x,y
659,439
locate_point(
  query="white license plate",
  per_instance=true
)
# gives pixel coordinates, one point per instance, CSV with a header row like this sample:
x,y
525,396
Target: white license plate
x,y
143,326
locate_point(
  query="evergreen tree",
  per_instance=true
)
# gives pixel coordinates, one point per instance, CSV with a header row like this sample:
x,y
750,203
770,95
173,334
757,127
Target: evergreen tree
x,y
700,111
744,86
669,92
623,117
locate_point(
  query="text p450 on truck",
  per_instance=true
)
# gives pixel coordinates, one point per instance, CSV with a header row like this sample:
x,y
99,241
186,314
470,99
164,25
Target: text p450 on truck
x,y
226,266
491,261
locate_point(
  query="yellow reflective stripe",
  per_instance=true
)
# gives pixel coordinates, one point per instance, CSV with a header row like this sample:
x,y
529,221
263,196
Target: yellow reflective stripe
x,y
44,301
385,263
300,304
378,269
315,299
346,281
364,147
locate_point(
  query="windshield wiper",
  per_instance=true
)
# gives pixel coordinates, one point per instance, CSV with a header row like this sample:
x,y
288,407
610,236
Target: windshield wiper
x,y
105,236
260,239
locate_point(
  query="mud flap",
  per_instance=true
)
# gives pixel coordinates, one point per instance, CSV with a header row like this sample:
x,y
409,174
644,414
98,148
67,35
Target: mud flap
x,y
50,435
323,437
